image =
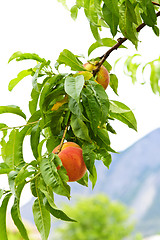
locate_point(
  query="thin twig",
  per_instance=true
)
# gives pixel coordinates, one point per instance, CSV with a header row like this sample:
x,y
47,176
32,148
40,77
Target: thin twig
x,y
33,177
118,44
30,123
63,137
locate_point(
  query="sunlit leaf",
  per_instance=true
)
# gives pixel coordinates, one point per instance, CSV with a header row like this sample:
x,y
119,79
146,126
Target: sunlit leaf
x,y
68,58
19,56
126,117
73,86
12,109
106,42
41,216
19,77
114,83
3,210
15,213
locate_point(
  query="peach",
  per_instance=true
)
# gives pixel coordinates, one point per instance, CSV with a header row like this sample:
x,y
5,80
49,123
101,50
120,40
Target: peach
x,y
102,75
72,160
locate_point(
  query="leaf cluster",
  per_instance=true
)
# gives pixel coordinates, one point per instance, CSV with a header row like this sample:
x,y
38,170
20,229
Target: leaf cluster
x,y
122,16
133,67
85,118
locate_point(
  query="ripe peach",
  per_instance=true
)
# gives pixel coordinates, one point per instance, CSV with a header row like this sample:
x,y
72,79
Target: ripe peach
x,y
72,160
102,75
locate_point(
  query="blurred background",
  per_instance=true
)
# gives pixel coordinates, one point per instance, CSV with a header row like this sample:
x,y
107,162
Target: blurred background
x,y
129,192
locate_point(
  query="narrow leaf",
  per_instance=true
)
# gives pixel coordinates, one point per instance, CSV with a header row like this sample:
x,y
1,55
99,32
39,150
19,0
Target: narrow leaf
x,y
106,42
15,213
41,216
52,177
3,210
19,77
19,56
34,140
4,169
111,16
126,117
114,83
12,109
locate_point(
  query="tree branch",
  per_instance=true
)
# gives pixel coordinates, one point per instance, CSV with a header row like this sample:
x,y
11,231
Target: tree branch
x,y
118,44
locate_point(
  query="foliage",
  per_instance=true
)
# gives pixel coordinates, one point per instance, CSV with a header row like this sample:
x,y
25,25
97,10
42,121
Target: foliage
x,y
86,118
97,218
120,15
133,65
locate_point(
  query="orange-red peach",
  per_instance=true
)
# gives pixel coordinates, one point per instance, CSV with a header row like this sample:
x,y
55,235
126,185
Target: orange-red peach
x,y
72,160
102,75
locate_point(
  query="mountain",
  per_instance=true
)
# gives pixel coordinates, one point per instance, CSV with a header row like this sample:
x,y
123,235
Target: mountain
x,y
133,179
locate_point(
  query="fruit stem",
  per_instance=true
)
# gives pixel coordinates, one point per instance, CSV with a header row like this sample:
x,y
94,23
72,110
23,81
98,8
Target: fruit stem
x,y
118,44
63,137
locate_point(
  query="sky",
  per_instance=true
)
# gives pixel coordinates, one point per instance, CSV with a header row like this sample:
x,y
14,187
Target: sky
x,y
46,28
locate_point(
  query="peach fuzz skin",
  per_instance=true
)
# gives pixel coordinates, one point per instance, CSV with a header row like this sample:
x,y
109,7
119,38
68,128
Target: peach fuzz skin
x,y
102,75
72,160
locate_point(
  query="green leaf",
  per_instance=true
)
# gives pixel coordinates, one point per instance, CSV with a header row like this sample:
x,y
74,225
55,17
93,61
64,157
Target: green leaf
x,y
52,142
105,42
113,6
111,15
126,25
3,210
84,180
114,83
94,29
92,108
74,12
103,101
149,15
59,214
14,147
4,169
15,213
19,56
39,149
52,177
73,86
103,135
126,117
12,109
10,153
22,175
156,30
131,66
34,140
76,108
34,101
79,128
155,77
105,157
19,77
63,3
89,156
41,216
47,88
131,11
93,177
59,91
68,58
